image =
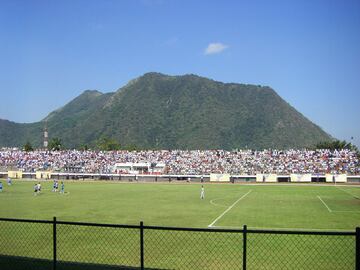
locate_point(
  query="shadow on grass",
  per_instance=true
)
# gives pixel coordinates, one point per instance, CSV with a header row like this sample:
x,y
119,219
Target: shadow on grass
x,y
20,263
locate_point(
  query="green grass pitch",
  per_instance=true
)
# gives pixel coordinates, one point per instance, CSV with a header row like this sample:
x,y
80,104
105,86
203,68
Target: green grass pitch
x,y
258,206
302,207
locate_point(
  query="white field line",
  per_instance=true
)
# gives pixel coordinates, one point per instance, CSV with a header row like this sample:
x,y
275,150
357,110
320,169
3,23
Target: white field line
x,y
282,229
229,208
345,211
213,203
328,208
352,195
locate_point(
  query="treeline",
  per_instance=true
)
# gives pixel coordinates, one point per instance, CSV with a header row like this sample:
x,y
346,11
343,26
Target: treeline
x,y
111,144
102,144
336,145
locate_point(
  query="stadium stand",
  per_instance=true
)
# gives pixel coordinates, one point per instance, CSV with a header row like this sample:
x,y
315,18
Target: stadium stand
x,y
180,162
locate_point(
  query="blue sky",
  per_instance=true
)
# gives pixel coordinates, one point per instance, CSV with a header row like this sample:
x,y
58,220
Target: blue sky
x,y
308,51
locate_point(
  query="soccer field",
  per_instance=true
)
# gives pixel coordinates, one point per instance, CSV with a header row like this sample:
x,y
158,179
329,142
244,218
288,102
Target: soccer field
x,y
307,207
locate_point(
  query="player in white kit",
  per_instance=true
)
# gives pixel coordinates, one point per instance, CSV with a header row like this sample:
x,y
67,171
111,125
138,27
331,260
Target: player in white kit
x,y
202,194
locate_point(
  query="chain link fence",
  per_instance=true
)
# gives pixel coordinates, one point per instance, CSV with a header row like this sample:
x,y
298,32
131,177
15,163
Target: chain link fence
x,y
300,251
98,245
192,249
39,244
26,245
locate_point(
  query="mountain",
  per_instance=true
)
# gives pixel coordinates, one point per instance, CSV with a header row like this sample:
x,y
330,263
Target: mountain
x,y
15,134
174,112
72,122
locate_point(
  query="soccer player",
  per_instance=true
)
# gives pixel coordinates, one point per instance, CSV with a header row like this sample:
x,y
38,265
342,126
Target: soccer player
x,y
1,186
9,181
38,188
55,186
35,189
62,188
202,194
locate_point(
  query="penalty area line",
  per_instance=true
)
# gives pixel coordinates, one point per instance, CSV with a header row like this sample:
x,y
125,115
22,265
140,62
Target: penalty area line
x,y
328,208
336,211
349,193
228,209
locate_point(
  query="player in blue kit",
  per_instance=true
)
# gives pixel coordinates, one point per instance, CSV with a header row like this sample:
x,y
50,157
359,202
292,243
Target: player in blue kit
x,y
62,191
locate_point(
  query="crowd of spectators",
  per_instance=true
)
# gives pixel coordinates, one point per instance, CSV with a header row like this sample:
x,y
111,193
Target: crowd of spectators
x,y
188,162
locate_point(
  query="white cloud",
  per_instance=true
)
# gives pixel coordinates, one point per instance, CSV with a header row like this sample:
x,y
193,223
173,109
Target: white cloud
x,y
213,48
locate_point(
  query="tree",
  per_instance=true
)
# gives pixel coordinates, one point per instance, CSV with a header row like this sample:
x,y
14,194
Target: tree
x,y
131,147
107,144
28,147
55,144
336,145
84,147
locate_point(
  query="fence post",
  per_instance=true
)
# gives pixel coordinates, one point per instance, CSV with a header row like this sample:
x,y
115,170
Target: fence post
x,y
244,246
141,245
357,248
54,243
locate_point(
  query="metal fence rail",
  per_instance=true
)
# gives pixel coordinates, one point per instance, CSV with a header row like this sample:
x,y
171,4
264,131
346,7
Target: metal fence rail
x,y
42,244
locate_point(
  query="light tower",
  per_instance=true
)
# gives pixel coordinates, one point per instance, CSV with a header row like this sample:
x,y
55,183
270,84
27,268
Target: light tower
x,y
46,136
